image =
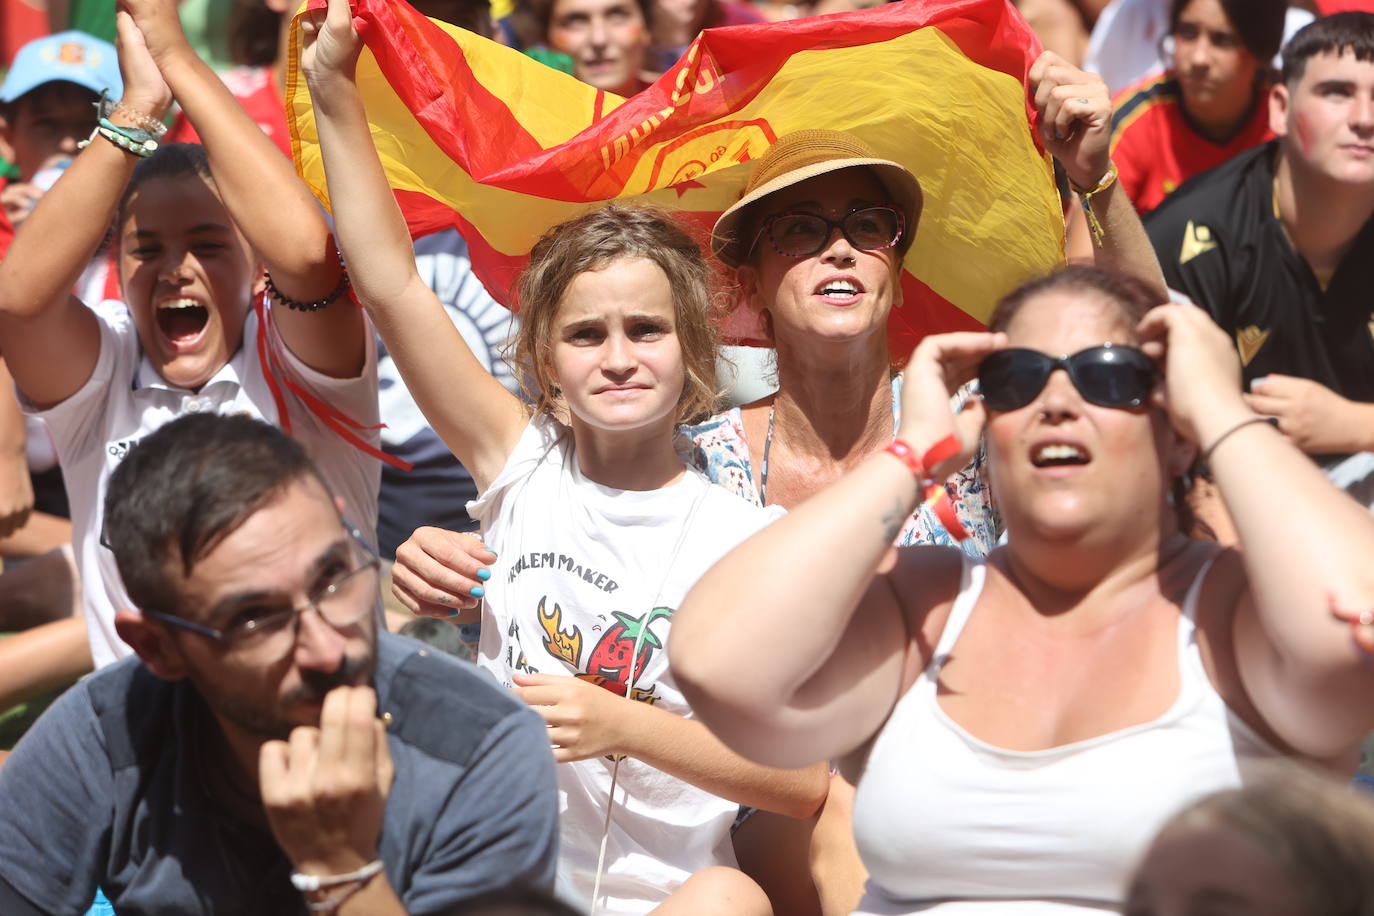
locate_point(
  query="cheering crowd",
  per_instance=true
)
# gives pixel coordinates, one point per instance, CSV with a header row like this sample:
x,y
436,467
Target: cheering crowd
x,y
399,602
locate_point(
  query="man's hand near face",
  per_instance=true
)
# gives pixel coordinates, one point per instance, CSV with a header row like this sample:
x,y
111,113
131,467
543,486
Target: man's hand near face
x,y
325,793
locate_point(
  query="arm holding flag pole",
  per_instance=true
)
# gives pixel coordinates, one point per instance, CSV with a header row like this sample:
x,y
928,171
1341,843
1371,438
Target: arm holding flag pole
x,y
483,425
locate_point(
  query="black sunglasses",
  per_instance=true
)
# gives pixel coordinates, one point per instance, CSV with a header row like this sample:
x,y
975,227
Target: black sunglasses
x,y
1108,376
800,235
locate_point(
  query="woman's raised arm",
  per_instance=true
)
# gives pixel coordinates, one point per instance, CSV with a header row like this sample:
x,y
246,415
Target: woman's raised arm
x,y
1306,546
795,646
478,418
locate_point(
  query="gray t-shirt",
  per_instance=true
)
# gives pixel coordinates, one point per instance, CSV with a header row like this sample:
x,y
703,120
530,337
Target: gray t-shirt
x,y
106,790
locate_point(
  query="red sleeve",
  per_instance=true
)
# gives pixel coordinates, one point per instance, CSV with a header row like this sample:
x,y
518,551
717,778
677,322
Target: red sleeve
x,y
6,230
1129,169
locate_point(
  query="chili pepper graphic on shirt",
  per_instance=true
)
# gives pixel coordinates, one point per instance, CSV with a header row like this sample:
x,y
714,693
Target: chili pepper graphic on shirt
x,y
609,662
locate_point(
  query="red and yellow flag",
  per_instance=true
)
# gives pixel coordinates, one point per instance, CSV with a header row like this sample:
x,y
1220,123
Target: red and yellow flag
x,y
478,136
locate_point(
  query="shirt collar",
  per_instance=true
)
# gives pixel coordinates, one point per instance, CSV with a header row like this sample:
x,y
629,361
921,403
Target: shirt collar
x,y
231,373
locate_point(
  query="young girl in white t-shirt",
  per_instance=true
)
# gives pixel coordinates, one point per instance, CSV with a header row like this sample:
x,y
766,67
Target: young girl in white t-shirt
x,y
598,525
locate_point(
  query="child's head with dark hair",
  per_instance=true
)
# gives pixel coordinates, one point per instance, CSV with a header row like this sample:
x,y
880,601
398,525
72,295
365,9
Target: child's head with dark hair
x,y
186,271
1258,24
184,488
48,96
1337,35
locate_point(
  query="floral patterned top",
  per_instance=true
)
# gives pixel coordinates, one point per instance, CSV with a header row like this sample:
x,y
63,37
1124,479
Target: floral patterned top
x,y
718,447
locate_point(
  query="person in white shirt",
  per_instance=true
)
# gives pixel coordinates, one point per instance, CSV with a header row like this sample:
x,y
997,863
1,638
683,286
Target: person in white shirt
x,y
194,228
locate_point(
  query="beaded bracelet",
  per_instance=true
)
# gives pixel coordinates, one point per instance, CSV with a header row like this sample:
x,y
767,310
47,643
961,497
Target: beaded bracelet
x,y
296,305
934,493
147,122
133,140
106,108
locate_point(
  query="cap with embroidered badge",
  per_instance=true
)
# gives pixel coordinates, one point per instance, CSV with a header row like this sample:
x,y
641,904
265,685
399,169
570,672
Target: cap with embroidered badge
x,y
73,57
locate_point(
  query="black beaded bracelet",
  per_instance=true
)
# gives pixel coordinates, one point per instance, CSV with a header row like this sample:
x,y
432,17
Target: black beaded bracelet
x,y
295,304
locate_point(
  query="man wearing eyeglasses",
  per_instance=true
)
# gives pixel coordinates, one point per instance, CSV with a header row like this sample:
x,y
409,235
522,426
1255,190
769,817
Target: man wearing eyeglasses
x,y
270,751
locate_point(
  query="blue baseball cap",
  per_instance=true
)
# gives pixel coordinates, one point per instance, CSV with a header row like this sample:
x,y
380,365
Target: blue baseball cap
x,y
74,57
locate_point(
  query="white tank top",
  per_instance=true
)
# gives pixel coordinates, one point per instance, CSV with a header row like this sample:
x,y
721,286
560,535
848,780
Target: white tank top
x,y
950,824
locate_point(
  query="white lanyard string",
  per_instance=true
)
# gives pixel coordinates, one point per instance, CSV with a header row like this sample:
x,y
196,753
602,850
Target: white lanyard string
x,y
629,694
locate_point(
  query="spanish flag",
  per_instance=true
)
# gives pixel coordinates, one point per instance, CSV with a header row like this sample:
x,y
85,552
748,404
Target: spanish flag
x,y
480,137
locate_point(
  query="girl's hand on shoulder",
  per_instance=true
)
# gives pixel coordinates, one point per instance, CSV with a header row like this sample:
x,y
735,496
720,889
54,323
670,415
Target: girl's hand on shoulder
x,y
939,367
330,43
1201,370
145,91
437,572
584,720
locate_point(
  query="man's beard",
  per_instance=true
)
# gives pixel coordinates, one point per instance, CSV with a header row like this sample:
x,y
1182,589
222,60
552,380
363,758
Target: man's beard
x,y
275,722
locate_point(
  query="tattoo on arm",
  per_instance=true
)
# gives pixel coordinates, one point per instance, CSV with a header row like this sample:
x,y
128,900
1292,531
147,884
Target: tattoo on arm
x,y
893,520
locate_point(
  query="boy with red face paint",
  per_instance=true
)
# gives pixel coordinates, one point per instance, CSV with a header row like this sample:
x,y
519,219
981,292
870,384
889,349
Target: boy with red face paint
x,y
193,231
1278,245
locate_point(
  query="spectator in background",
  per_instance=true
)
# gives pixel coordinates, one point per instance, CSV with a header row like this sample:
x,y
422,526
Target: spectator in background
x,y
607,40
1212,102
1278,246
258,42
1131,37
47,100
1062,25
676,23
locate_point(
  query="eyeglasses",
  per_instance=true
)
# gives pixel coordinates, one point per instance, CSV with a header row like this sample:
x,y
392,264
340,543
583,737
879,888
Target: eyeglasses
x,y
799,235
349,596
1108,376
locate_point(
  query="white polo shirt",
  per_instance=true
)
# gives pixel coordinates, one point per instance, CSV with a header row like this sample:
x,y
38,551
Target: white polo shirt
x,y
125,399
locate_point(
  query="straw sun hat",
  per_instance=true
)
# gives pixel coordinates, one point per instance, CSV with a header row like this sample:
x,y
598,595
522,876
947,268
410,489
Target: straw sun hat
x,y
806,154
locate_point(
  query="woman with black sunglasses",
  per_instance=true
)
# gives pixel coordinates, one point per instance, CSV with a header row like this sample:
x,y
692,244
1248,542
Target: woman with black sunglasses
x,y
1020,726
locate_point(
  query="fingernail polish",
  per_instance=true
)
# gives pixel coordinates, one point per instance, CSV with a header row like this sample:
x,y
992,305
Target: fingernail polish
x,y
484,574
477,591
490,551
453,612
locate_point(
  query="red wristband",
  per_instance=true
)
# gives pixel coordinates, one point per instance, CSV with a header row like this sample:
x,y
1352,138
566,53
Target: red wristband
x,y
944,511
936,496
946,448
907,456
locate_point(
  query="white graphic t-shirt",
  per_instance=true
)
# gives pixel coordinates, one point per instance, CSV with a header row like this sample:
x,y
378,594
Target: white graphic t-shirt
x,y
583,573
